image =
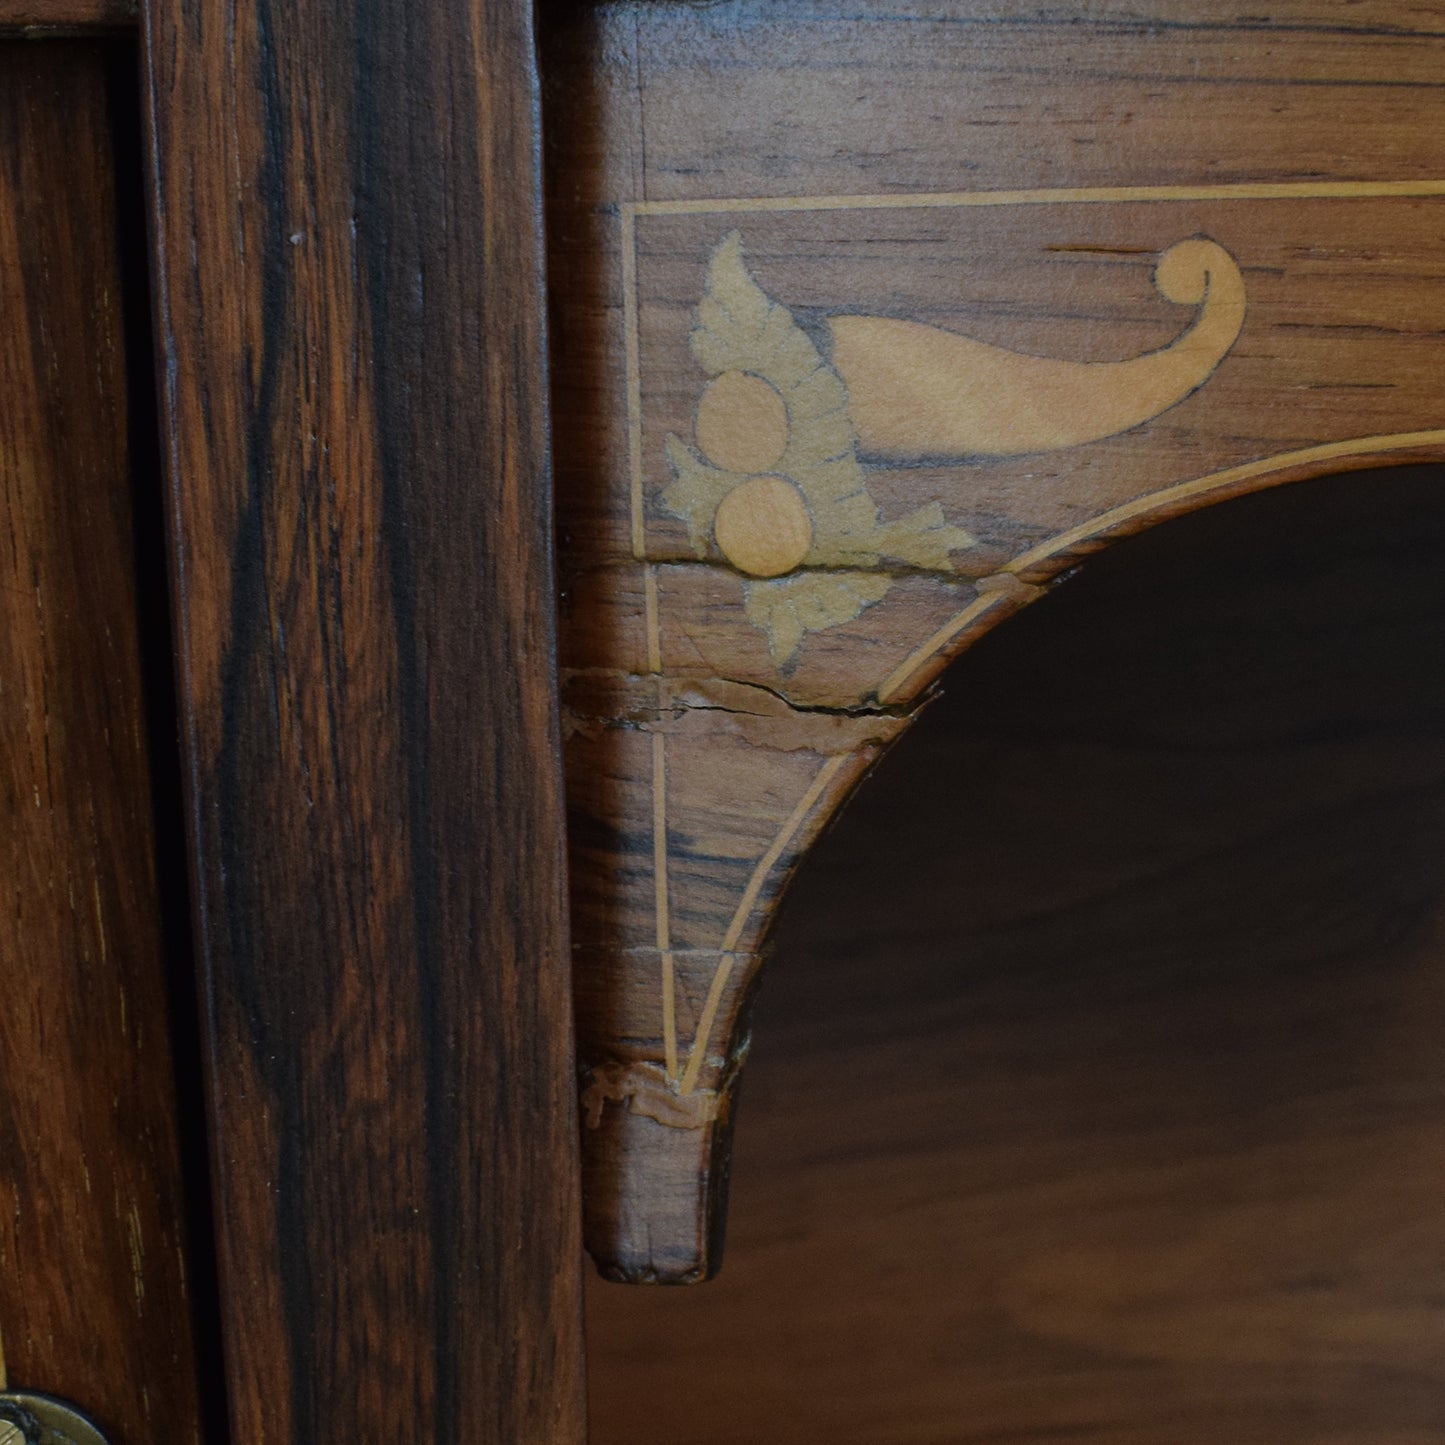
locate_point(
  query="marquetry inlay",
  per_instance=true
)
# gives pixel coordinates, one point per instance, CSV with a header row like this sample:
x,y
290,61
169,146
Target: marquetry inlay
x,y
860,431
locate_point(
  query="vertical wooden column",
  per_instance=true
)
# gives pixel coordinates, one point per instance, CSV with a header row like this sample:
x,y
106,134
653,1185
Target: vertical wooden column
x,y
350,305
95,1295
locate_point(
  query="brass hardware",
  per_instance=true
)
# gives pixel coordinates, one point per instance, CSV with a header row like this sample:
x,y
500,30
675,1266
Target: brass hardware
x,y
27,1419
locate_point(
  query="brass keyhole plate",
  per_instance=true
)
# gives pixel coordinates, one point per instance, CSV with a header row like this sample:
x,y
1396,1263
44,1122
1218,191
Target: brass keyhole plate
x,y
27,1419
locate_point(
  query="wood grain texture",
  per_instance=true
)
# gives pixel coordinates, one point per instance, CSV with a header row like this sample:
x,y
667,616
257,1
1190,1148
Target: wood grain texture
x,y
350,272
68,16
95,1283
996,199
1097,1091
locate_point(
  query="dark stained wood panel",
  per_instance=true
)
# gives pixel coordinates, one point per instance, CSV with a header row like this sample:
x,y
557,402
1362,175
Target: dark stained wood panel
x,y
1096,1090
350,277
94,1279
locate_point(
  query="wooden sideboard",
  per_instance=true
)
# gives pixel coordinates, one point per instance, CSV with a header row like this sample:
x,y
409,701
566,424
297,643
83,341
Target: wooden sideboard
x,y
846,333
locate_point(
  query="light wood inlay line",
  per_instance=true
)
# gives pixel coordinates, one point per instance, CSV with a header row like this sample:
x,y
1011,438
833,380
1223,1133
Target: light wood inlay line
x,y
894,684
706,1022
669,1015
653,627
653,620
1389,444
1093,195
765,865
633,359
1214,481
794,821
632,349
664,921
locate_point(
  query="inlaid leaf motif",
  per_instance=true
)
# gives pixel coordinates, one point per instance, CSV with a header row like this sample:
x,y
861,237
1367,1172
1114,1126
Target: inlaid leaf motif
x,y
740,332
789,608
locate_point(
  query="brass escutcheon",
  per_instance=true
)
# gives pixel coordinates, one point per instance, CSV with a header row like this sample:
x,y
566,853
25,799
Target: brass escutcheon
x,y
27,1419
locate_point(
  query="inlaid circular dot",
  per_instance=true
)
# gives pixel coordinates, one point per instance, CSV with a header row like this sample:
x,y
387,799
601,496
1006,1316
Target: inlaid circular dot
x,y
742,423
763,527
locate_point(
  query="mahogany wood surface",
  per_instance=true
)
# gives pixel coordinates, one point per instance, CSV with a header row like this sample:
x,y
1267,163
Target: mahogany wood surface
x,y
870,323
346,212
97,1284
1097,1091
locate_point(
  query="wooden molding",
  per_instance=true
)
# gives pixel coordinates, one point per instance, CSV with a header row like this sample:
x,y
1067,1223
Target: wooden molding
x,y
350,274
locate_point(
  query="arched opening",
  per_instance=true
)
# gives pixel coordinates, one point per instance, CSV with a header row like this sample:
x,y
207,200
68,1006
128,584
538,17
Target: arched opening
x,y
1098,1089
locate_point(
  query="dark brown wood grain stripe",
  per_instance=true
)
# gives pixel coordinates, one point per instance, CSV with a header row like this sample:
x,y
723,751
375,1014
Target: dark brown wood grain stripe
x,y
351,294
97,1283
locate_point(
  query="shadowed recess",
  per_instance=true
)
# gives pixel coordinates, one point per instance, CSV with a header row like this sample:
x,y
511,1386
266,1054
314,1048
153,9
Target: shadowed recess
x,y
1096,1089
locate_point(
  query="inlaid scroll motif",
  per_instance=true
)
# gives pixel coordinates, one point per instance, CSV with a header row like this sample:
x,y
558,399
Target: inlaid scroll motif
x,y
777,480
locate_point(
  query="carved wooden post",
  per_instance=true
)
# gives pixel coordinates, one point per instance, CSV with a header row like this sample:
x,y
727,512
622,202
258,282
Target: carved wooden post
x,y
351,289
